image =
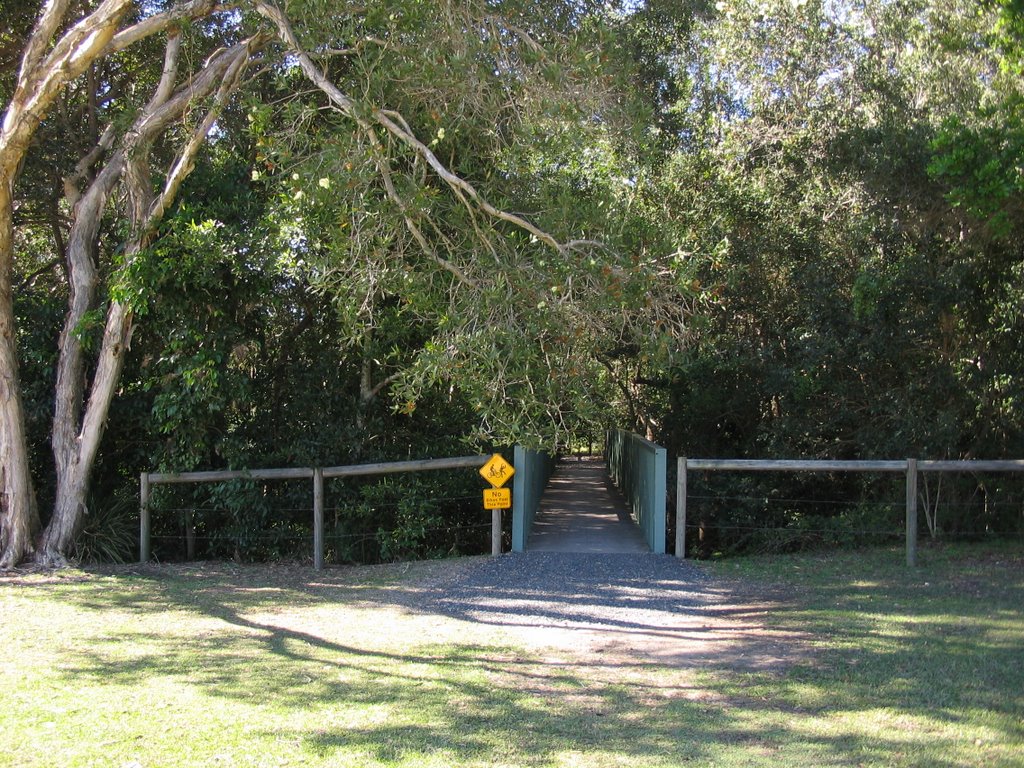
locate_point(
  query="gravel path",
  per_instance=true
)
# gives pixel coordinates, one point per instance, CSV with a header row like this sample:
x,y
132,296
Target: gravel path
x,y
599,610
644,607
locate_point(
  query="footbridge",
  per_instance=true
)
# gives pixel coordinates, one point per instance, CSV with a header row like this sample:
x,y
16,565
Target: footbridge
x,y
613,503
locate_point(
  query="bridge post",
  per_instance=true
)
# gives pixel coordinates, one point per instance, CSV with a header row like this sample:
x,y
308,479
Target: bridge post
x,y
520,524
658,501
144,492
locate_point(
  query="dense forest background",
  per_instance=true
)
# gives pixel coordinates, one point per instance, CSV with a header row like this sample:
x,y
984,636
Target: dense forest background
x,y
417,229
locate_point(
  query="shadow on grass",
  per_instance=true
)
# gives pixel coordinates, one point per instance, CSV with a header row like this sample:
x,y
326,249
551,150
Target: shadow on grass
x,y
462,704
902,662
942,643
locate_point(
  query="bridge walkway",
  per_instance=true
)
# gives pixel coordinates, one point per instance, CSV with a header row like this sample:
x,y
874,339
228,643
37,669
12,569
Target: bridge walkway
x,y
581,512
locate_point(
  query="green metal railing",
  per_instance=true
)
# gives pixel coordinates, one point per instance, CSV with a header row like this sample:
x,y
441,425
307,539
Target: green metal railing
x,y
637,467
533,470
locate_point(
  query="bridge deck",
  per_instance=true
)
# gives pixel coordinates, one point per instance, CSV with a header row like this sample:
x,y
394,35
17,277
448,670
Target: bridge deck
x,y
579,514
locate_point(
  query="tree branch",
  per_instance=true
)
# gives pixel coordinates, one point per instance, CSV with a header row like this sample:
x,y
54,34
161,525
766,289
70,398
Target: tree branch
x,y
29,280
459,184
236,59
397,128
158,22
385,171
172,52
41,79
46,27
161,110
71,182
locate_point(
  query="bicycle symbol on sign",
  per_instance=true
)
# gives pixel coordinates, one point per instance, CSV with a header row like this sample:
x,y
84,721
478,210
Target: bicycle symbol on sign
x,y
497,471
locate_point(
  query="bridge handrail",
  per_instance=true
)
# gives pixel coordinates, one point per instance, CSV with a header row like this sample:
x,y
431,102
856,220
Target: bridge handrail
x,y
637,467
533,470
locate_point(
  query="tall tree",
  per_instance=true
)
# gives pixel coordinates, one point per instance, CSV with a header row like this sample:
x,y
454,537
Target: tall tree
x,y
448,216
853,210
58,50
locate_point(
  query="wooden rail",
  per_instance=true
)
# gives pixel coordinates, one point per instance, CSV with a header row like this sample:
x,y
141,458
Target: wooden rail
x,y
148,479
762,465
910,467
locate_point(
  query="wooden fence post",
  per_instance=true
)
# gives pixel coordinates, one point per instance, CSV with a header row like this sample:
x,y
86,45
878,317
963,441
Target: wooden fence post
x,y
911,513
318,519
681,507
190,534
144,517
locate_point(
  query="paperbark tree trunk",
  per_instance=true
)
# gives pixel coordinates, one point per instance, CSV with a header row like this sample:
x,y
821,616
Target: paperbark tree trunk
x,y
56,53
73,477
19,518
43,74
77,433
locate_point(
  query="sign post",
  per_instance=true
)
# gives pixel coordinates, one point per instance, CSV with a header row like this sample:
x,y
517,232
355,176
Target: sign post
x,y
497,472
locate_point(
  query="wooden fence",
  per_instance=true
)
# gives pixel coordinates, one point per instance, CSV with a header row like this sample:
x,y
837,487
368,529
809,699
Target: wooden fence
x,y
148,479
910,467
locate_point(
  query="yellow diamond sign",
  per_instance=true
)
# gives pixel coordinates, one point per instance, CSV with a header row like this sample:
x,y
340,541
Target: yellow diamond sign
x,y
497,471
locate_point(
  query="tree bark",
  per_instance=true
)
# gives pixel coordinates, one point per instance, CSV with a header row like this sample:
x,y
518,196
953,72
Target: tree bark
x,y
77,433
69,389
55,54
83,281
73,477
19,517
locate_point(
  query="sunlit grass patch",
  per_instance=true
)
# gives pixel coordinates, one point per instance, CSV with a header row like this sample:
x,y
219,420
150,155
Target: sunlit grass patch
x,y
270,667
917,666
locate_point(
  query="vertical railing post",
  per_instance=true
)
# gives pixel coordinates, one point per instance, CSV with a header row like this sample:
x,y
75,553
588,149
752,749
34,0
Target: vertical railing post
x,y
318,518
659,501
144,517
190,534
681,507
522,480
911,513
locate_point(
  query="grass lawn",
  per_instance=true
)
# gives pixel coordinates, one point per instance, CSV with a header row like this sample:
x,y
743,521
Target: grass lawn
x,y
225,665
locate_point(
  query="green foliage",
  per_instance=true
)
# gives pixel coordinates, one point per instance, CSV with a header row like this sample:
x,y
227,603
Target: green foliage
x,y
526,110
981,165
851,217
417,516
111,528
1009,33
